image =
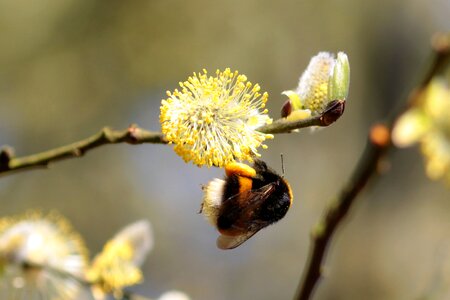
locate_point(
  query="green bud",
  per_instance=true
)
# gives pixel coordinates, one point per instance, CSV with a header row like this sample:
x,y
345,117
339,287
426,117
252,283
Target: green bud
x,y
340,80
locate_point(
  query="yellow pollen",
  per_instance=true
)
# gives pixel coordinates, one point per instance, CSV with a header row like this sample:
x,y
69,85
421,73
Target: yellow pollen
x,y
212,121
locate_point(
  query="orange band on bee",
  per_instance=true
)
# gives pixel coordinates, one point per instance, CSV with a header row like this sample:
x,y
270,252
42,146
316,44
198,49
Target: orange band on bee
x,y
245,185
239,169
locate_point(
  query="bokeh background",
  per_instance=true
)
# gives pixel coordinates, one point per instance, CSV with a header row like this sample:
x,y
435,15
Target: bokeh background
x,y
68,68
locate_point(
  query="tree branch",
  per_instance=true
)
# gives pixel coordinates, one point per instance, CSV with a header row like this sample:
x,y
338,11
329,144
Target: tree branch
x,y
135,135
338,209
377,145
332,112
132,135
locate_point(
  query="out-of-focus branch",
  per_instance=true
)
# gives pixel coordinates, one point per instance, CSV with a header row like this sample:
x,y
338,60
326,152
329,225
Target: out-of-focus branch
x,y
338,209
136,135
377,145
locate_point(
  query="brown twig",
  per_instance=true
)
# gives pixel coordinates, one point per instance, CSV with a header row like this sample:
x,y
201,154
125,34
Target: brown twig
x,y
333,111
338,209
132,135
377,145
136,135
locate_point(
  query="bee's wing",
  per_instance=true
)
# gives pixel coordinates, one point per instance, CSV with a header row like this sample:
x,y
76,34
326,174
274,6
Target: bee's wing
x,y
256,197
226,242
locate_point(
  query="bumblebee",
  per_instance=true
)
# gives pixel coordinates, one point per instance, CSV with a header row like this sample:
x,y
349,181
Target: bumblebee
x,y
248,199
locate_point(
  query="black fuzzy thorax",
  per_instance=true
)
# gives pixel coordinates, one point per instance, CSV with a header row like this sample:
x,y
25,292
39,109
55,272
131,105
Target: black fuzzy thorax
x,y
277,204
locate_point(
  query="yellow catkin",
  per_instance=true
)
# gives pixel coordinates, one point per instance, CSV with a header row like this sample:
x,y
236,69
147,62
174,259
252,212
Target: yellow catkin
x,y
212,120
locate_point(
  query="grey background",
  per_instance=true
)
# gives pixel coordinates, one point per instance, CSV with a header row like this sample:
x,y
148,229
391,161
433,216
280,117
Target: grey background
x,y
68,68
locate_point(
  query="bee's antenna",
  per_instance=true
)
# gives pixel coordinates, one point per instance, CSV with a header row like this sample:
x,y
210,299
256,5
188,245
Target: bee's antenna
x,y
282,165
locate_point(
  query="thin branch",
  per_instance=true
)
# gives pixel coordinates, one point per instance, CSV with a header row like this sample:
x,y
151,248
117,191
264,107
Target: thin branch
x,y
132,135
377,145
336,212
332,112
136,135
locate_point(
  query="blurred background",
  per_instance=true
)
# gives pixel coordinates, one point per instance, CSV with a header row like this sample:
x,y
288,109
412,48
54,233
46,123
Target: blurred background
x,y
68,68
